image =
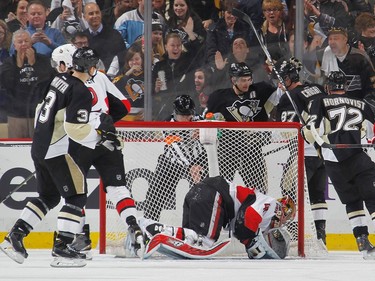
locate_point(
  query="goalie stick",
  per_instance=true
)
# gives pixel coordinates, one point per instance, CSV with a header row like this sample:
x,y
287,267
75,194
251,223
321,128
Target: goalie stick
x,y
244,17
320,141
178,249
18,187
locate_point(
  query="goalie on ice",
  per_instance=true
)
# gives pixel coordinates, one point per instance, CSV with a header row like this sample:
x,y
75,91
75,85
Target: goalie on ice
x,y
255,219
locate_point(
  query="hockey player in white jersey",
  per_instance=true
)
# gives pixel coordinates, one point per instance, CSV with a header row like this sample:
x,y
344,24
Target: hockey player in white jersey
x,y
257,220
109,106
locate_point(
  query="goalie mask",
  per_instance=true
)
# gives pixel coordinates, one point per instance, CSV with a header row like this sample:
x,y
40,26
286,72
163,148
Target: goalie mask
x,y
63,55
285,212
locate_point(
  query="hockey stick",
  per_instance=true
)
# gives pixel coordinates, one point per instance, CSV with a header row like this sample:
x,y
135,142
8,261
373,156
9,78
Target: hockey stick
x,y
320,141
18,187
244,17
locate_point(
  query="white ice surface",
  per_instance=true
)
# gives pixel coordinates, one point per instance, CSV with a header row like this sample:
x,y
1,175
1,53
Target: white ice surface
x,y
338,266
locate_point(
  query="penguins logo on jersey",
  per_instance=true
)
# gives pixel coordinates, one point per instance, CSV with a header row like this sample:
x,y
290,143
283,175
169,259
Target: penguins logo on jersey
x,y
135,89
244,111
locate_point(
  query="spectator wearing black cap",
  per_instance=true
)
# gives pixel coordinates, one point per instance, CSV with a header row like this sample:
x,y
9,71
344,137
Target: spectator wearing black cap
x,y
357,66
157,40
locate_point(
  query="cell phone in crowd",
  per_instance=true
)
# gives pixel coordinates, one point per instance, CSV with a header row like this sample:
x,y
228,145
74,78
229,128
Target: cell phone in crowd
x,y
39,29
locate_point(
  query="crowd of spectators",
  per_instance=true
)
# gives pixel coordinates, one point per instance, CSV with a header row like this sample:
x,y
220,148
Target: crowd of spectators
x,y
193,44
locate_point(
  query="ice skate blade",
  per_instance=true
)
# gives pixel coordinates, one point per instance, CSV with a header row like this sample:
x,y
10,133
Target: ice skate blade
x,y
8,249
88,255
368,255
66,262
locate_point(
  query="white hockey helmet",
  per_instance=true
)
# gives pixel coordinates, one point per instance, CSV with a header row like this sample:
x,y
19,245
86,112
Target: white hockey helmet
x,y
63,54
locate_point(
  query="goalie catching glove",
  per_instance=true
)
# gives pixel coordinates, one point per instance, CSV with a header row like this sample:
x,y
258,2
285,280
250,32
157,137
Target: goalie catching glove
x,y
107,132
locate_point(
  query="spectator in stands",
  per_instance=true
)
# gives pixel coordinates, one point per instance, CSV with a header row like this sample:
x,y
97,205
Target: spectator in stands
x,y
202,78
206,10
274,32
157,41
44,38
21,74
19,19
173,76
354,63
5,39
130,24
184,20
311,71
365,28
106,41
6,7
111,14
327,13
240,53
131,82
159,7
221,35
81,39
71,19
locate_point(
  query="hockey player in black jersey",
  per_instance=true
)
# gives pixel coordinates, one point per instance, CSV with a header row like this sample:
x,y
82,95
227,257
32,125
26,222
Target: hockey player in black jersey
x,y
182,153
61,120
339,118
108,106
303,95
243,102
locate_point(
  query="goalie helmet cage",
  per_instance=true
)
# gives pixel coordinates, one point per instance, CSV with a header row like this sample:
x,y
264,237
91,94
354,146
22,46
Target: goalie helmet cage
x,y
158,155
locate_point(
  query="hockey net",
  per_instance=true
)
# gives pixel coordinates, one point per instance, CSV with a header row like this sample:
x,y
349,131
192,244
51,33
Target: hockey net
x,y
163,159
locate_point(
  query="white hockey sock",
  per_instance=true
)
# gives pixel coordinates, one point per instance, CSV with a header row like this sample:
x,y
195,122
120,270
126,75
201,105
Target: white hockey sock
x,y
121,199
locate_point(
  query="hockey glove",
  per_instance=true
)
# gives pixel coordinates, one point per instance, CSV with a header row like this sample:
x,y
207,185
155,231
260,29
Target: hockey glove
x,y
107,132
307,135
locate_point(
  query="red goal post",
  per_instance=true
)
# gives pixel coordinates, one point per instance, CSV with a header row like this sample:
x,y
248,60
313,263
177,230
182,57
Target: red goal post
x,y
158,157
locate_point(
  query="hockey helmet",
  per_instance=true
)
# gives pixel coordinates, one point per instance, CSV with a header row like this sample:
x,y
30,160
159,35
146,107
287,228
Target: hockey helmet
x,y
240,69
63,54
85,58
184,105
285,212
336,81
288,69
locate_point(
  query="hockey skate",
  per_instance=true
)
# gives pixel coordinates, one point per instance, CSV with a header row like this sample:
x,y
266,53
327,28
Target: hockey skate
x,y
82,242
13,246
365,247
134,243
321,230
67,255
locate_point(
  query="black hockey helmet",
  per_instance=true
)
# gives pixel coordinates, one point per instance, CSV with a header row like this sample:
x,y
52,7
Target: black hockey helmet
x,y
288,69
184,105
336,81
240,69
85,58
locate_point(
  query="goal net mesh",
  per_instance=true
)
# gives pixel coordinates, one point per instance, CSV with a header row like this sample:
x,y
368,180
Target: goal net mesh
x,y
163,160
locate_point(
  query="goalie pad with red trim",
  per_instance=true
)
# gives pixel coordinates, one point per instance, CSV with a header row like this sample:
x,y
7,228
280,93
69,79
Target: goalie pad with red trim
x,y
178,249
